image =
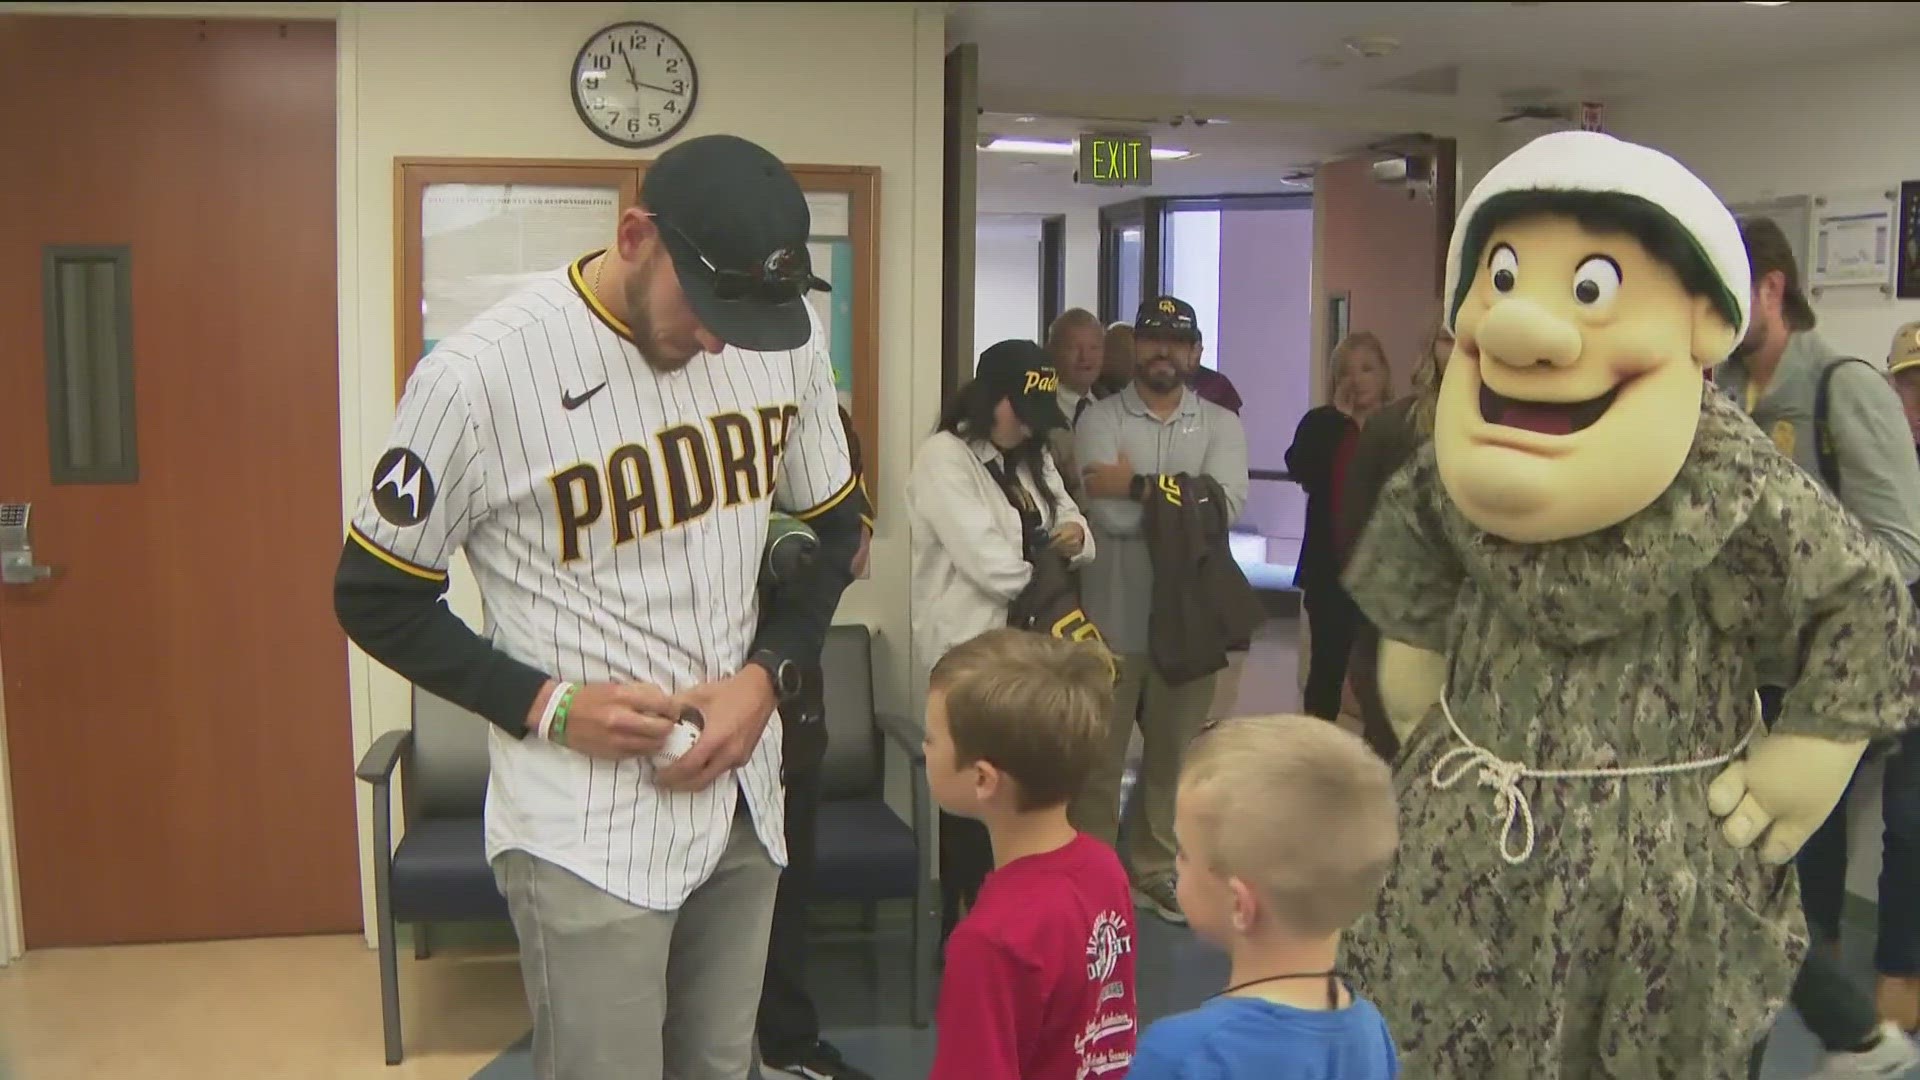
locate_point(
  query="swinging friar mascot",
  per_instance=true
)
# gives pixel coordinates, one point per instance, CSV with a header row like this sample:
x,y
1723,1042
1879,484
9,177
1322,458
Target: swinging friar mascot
x,y
1580,584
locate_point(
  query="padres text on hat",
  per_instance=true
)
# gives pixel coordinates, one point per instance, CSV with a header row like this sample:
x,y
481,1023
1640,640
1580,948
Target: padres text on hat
x,y
736,224
1024,372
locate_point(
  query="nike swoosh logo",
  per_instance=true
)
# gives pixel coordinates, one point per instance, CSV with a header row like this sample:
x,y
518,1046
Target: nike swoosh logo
x,y
571,402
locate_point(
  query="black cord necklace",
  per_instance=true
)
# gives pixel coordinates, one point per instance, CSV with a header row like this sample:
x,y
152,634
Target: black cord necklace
x,y
1332,977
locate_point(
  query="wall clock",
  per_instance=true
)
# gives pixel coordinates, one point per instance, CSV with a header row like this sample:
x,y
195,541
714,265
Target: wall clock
x,y
634,84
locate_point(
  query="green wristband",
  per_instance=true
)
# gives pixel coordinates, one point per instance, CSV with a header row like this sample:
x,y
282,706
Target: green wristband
x,y
558,732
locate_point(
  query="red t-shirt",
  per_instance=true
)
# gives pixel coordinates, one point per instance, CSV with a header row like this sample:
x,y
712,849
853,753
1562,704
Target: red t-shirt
x,y
1039,978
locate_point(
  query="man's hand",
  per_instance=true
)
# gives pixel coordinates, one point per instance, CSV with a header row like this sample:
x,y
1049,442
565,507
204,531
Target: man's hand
x,y
737,710
612,721
1110,481
1783,789
1069,539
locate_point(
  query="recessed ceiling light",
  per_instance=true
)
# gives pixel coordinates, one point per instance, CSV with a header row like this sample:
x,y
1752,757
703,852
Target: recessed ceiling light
x,y
1372,47
1766,3
1023,119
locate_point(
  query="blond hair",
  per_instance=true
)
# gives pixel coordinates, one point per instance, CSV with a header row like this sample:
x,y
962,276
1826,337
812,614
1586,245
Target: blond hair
x,y
1066,323
1033,706
1298,809
1340,366
1426,381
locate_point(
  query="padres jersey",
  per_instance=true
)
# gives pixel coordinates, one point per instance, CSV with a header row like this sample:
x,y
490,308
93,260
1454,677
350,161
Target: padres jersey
x,y
614,517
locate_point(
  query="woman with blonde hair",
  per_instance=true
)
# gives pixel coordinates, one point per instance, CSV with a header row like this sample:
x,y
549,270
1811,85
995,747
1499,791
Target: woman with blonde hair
x,y
1322,450
1387,442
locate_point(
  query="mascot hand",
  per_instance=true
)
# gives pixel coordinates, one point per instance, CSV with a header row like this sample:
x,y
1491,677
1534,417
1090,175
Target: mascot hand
x,y
1410,683
1784,788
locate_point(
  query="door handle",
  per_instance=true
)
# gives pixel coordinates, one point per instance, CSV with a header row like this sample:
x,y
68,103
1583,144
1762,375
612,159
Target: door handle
x,y
16,547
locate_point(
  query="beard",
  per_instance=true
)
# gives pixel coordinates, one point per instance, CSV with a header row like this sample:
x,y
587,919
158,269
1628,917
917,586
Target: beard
x,y
1757,332
1160,376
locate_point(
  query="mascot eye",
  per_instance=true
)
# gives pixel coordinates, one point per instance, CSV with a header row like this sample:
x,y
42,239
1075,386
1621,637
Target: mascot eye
x,y
1596,281
1505,266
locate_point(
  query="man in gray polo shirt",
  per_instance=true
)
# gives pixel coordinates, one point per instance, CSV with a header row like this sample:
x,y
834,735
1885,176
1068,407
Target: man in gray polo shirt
x,y
1775,374
1154,427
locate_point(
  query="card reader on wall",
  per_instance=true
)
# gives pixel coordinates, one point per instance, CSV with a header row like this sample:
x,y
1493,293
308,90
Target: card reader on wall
x,y
16,547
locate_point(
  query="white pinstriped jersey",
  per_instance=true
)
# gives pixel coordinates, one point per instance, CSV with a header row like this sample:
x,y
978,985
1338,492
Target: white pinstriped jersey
x,y
615,539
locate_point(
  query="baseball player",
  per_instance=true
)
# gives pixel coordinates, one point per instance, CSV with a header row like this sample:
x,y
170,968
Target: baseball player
x,y
607,447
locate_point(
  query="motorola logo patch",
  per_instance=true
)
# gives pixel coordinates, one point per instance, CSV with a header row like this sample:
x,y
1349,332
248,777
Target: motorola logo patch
x,y
402,488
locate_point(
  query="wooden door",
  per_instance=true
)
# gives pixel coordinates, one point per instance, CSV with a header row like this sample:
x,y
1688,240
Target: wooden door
x,y
176,695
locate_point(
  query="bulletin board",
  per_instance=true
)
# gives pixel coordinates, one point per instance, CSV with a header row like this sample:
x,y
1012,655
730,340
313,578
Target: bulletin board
x,y
468,232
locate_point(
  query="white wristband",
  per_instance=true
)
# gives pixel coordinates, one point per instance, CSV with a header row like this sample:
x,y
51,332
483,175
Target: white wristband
x,y
553,704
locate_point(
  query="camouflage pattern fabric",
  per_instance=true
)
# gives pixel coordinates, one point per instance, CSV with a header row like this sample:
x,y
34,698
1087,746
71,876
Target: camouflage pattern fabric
x,y
1634,943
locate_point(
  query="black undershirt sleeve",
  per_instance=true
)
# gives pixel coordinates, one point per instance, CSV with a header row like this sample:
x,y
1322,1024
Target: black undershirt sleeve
x,y
401,620
793,625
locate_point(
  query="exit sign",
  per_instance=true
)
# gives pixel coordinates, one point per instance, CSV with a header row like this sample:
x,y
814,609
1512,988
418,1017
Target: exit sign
x,y
1116,160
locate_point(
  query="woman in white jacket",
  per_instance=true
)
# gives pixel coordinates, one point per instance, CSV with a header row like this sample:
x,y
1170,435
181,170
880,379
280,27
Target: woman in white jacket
x,y
983,496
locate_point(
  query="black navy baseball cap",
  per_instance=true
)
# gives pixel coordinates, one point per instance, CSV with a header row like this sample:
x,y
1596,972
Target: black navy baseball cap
x,y
736,223
1167,316
1024,372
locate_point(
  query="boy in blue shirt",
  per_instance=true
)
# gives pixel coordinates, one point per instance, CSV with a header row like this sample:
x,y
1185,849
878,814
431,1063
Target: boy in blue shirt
x,y
1286,827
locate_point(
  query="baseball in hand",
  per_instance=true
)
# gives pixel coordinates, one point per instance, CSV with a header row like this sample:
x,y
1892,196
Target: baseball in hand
x,y
681,739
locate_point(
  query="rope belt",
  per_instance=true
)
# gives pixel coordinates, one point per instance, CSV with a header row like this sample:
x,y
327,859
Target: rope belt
x,y
1504,776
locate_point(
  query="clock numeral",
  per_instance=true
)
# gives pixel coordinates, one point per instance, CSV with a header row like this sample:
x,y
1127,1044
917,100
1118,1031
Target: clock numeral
x,y
597,103
653,119
659,48
633,125
671,106
591,82
616,117
602,61
673,64
638,40
679,86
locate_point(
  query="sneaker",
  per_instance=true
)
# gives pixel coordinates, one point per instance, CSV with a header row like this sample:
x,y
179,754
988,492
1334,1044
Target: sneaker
x,y
1887,1059
1898,997
1160,900
817,1062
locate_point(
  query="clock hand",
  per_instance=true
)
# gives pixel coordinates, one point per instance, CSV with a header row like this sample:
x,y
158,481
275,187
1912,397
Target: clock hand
x,y
632,79
662,89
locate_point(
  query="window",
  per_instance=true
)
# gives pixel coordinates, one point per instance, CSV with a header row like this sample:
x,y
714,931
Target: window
x,y
89,319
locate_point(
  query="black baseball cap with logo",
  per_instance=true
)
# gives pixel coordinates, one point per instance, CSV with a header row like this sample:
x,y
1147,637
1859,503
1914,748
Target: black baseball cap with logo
x,y
1167,317
1024,372
736,223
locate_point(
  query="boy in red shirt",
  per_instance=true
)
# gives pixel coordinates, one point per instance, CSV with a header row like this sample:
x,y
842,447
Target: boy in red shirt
x,y
1039,975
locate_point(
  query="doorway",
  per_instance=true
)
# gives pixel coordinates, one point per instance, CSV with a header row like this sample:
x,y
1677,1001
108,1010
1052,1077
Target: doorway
x,y
175,695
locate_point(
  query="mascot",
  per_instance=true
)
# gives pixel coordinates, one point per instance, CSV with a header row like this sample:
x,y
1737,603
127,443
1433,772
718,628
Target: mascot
x,y
1581,583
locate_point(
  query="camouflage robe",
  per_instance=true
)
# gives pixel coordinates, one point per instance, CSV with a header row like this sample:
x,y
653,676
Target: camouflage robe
x,y
1634,943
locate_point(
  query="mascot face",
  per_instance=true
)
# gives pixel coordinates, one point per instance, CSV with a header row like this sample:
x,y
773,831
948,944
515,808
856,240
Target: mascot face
x,y
1574,389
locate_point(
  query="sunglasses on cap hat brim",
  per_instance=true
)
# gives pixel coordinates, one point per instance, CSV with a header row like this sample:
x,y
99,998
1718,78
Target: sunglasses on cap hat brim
x,y
760,310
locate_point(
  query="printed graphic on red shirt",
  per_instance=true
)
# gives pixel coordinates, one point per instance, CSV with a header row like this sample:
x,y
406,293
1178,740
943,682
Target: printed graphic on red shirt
x,y
1113,1019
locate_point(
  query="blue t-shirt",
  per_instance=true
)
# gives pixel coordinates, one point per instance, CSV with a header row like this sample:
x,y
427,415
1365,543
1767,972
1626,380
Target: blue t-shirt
x,y
1251,1039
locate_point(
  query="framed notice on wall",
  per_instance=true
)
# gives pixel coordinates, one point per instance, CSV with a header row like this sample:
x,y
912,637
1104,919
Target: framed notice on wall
x,y
471,232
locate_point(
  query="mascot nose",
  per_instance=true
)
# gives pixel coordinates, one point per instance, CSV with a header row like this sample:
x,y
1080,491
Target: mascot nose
x,y
1520,333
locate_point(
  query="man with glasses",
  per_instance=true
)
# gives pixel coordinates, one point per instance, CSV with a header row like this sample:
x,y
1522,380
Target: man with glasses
x,y
606,448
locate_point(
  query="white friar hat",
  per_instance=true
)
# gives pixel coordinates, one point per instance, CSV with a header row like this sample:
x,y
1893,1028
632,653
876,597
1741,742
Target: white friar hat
x,y
1588,161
